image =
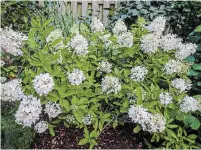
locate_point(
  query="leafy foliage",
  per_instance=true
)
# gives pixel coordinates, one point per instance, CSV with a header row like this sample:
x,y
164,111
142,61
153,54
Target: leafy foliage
x,y
182,17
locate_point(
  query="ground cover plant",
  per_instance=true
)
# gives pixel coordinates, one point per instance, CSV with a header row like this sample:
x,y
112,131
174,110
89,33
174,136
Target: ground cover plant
x,y
94,78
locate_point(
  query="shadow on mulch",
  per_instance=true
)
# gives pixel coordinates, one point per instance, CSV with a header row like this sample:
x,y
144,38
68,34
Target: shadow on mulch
x,y
67,138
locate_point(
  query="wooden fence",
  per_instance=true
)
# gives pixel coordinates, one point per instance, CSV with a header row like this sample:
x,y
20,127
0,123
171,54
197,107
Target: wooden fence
x,y
82,8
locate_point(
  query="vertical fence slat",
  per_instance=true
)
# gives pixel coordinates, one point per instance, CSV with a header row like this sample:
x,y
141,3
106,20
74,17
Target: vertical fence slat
x,y
95,8
74,8
106,6
84,8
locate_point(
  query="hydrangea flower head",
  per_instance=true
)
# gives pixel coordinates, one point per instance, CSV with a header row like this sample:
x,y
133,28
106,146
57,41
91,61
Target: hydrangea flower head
x,y
105,66
43,84
76,77
125,39
119,27
173,66
149,43
52,109
138,73
41,126
110,84
181,84
96,25
189,104
165,98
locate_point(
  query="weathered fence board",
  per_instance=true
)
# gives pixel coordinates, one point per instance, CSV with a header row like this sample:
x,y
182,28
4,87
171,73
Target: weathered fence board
x,y
83,8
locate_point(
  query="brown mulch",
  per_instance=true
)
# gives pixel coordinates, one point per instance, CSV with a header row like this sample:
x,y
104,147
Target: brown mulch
x,y
67,138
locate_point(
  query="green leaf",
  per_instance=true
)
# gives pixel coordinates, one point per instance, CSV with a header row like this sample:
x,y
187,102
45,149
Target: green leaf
x,y
192,136
93,134
197,66
190,59
180,116
192,72
83,141
66,104
198,29
51,129
139,95
192,121
137,129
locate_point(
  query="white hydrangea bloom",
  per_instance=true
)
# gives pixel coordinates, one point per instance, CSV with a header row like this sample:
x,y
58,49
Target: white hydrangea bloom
x,y
185,50
173,66
79,44
138,73
41,126
70,119
189,104
28,111
43,84
87,120
148,121
170,42
2,63
156,124
110,85
125,39
11,91
149,43
2,80
165,98
105,66
54,35
107,42
52,109
76,77
11,41
157,26
119,27
181,84
96,25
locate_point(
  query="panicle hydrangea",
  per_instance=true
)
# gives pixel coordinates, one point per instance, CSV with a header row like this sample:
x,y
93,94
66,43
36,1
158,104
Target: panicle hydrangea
x,y
107,42
156,124
119,27
165,98
52,109
41,126
173,66
43,84
11,91
2,63
11,41
125,39
181,84
110,85
148,121
105,66
149,43
138,73
157,26
185,50
87,120
189,104
170,42
79,44
54,35
2,80
28,111
96,25
76,77
70,119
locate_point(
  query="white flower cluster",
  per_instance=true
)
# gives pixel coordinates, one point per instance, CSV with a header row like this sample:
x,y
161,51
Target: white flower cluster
x,y
119,27
105,66
107,42
185,50
138,73
148,121
2,63
70,119
165,98
149,43
157,26
41,126
43,84
96,25
52,109
28,111
11,91
181,84
2,80
170,42
173,66
79,44
189,104
87,120
54,35
110,84
76,77
11,41
125,39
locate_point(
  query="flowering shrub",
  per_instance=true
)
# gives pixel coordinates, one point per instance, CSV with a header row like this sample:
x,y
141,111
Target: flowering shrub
x,y
94,78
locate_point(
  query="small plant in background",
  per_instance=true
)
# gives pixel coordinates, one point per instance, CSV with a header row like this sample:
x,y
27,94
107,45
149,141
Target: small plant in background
x,y
91,78
182,17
